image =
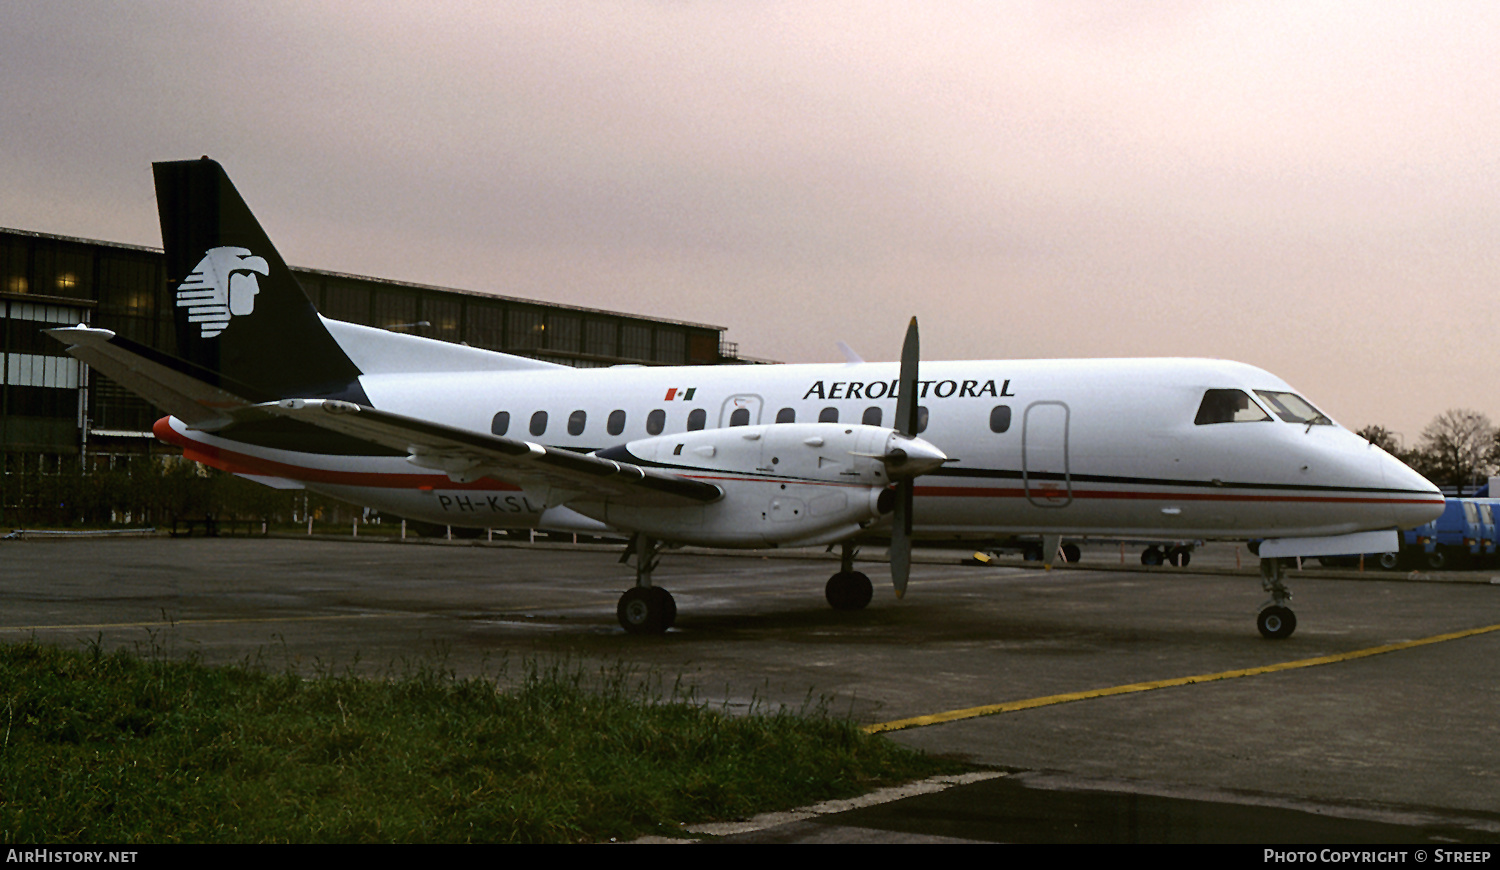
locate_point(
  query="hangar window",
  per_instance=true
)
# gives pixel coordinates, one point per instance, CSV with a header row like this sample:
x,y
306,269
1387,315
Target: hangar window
x,y
539,423
786,415
656,421
1293,408
616,422
501,423
828,415
740,417
697,419
1228,406
576,421
872,417
999,418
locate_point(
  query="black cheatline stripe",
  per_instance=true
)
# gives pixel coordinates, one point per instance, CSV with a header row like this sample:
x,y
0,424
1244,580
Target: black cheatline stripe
x,y
1006,474
1125,480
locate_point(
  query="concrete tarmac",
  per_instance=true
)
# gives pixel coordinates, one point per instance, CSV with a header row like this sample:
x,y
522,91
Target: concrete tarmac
x,y
1392,747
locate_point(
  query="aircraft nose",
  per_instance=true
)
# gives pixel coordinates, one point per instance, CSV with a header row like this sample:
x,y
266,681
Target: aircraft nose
x,y
1415,500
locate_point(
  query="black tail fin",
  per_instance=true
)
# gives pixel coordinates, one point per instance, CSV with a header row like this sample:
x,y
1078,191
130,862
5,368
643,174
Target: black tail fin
x,y
239,311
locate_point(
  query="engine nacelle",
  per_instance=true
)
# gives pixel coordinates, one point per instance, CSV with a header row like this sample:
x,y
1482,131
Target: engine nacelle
x,y
785,484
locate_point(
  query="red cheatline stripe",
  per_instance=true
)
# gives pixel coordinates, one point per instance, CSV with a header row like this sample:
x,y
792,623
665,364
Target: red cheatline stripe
x,y
240,463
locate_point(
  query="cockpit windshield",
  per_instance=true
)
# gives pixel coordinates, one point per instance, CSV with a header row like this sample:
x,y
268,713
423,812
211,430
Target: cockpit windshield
x,y
1228,406
1293,408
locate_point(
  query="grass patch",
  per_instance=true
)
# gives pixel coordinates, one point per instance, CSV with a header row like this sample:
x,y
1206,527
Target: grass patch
x,y
124,748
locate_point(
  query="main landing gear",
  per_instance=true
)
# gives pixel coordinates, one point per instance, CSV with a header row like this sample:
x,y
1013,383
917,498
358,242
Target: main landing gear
x,y
848,589
1276,620
1158,555
645,609
648,609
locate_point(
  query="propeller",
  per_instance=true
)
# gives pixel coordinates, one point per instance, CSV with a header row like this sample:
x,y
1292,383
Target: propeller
x,y
906,424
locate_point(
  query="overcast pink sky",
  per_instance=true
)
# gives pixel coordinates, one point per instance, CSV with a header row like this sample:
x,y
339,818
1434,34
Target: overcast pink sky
x,y
1313,188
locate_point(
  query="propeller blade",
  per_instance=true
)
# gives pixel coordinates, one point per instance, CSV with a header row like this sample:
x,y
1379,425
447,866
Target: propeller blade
x,y
906,395
906,424
901,537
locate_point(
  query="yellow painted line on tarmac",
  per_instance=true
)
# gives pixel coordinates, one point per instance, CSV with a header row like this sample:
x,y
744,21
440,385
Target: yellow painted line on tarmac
x,y
1049,700
169,623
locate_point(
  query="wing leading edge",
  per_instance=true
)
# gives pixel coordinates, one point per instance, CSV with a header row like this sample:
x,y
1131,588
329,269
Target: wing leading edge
x,y
465,456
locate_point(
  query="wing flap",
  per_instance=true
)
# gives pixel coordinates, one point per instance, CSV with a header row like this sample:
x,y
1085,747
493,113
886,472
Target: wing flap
x,y
466,455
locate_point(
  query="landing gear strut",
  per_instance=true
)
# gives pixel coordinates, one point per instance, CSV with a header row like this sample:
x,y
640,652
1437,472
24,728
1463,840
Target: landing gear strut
x,y
1276,621
848,589
645,609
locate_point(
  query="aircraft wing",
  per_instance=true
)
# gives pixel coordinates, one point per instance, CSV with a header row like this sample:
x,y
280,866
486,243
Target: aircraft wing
x,y
467,456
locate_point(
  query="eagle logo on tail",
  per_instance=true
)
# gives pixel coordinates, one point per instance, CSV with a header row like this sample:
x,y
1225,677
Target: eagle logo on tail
x,y
221,286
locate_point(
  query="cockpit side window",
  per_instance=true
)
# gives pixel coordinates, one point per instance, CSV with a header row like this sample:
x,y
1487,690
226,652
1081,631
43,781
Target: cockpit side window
x,y
1293,408
1228,406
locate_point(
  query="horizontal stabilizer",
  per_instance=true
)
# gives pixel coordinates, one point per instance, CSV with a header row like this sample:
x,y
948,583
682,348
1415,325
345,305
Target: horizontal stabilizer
x,y
163,381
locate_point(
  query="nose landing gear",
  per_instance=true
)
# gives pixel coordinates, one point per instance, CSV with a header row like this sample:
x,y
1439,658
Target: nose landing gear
x,y
1276,620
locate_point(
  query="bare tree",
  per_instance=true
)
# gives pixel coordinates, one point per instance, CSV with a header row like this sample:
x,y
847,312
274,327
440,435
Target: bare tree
x,y
1458,446
1383,438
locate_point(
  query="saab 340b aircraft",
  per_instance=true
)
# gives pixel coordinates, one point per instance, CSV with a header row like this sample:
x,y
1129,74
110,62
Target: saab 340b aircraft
x,y
736,456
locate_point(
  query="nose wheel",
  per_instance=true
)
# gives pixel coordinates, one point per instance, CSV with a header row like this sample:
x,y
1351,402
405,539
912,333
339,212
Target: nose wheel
x,y
1276,623
1276,620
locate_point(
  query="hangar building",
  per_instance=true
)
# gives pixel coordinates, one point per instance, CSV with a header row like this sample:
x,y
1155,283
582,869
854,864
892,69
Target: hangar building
x,y
54,411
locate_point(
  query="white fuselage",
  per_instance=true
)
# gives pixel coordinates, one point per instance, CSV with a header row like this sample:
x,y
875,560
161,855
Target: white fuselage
x,y
1083,447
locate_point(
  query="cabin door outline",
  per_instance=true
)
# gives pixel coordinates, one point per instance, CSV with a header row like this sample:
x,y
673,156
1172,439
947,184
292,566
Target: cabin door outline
x,y
1045,473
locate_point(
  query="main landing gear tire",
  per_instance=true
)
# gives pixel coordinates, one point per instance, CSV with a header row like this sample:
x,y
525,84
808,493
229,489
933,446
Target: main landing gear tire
x,y
1152,556
646,610
1276,623
849,590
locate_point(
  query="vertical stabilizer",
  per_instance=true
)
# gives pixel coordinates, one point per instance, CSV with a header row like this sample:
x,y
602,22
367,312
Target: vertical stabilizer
x,y
239,311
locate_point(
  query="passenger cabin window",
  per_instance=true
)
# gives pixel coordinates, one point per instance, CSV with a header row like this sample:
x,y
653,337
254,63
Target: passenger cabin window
x,y
786,415
615,424
656,421
697,419
828,415
1228,406
871,417
921,419
999,418
740,417
539,423
501,424
1293,408
576,421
